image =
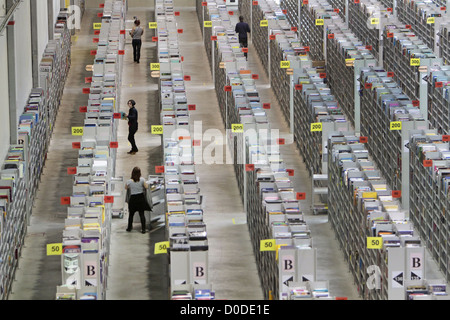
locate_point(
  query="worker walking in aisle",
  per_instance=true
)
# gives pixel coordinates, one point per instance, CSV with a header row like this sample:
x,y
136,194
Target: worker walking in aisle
x,y
242,28
132,125
136,33
136,197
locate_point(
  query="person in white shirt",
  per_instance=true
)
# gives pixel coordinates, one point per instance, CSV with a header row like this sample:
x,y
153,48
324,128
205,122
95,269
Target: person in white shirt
x,y
136,186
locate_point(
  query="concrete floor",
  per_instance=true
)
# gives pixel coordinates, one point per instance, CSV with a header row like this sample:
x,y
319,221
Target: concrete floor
x,y
135,272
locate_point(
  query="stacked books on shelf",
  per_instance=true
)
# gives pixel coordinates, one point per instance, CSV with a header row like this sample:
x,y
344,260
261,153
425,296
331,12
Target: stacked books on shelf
x,y
388,119
424,17
438,98
381,240
185,227
444,44
345,56
429,194
96,194
367,19
14,214
408,57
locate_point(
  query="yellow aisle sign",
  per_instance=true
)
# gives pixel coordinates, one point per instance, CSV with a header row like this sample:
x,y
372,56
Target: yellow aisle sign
x,y
268,245
54,249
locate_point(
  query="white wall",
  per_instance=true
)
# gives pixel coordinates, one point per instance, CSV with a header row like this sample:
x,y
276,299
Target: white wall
x,y
42,28
24,77
4,99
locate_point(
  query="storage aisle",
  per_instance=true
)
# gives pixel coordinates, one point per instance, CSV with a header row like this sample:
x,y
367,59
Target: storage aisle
x,y
136,273
38,275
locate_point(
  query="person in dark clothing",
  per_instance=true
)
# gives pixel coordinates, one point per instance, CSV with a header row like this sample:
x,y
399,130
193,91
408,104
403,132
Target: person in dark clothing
x,y
136,188
132,125
136,33
242,28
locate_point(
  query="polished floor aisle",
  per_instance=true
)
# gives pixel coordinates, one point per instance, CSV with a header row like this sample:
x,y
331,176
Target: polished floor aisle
x,y
136,273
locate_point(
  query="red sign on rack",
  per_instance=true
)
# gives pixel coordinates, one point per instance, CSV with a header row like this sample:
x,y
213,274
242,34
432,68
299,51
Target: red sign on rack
x,y
83,109
108,199
76,145
88,80
231,13
177,13
356,1
122,31
86,90
390,74
227,88
121,52
100,14
322,75
159,169
294,29
290,172
187,78
245,50
249,167
114,144
117,115
363,139
93,52
305,1
408,26
180,30
427,163
65,201
389,9
284,11
196,143
443,8
95,40
96,32
72,170
281,141
336,10
367,85
415,103
101,5
255,76
155,39
396,194
266,105
445,138
306,48
438,84
255,3
369,47
204,4
213,38
191,107
389,35
331,36
298,87
272,37
301,196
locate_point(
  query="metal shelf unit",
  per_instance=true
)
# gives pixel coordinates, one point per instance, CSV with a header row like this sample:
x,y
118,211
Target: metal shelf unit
x,y
438,98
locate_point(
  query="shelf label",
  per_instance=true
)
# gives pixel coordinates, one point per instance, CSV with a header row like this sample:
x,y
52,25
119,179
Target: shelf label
x,y
207,24
285,64
390,74
395,125
290,172
298,87
363,139
154,66
374,21
268,245
192,107
54,249
249,167
159,169
438,85
255,76
157,129
330,36
187,78
369,195
445,138
77,131
114,144
155,39
266,105
76,145
263,23
72,170
317,126
414,62
161,247
153,25
430,20
320,22
427,163
108,199
374,242
213,38
227,88
272,37
237,128
396,194
300,196
65,201
281,141
97,26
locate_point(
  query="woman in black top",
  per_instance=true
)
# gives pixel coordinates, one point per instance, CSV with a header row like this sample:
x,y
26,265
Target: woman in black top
x,y
132,125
